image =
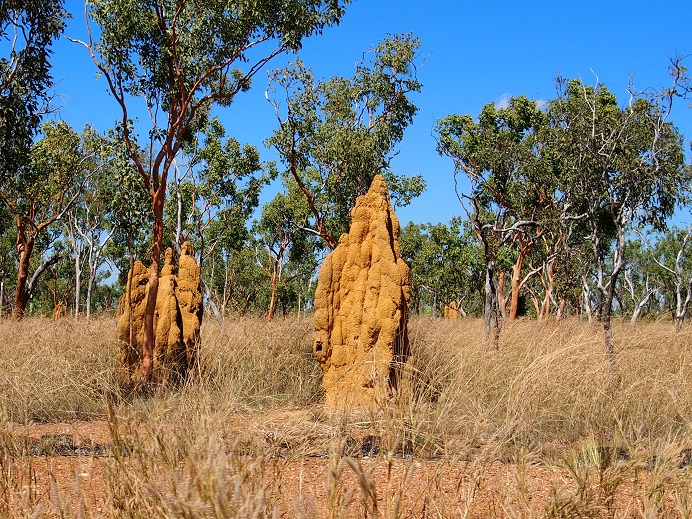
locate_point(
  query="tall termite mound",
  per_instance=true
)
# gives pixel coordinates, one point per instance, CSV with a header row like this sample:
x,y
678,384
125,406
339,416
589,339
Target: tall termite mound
x,y
177,320
361,306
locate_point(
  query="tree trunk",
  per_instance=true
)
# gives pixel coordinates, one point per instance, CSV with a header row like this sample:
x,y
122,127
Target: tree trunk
x,y
561,309
218,313
491,325
149,332
272,301
638,309
501,299
90,285
77,281
608,336
25,247
516,284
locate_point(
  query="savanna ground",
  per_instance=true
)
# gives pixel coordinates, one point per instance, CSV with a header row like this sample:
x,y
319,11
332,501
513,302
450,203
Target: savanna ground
x,y
541,428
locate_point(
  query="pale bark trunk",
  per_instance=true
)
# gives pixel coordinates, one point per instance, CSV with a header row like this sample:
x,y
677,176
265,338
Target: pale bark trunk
x,y
77,283
491,325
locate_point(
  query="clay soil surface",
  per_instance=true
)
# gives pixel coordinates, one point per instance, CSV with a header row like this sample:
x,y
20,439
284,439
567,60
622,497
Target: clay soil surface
x,y
69,462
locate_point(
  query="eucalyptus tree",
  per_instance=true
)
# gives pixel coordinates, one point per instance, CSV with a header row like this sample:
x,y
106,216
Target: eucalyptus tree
x,y
91,223
216,188
619,166
673,256
40,194
639,284
335,135
446,264
511,189
291,251
183,57
28,29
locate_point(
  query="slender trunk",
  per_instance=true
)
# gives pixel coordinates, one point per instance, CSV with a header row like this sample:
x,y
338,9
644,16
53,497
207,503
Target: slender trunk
x,y
608,336
516,285
272,301
2,296
154,269
90,284
501,299
21,296
561,309
77,281
638,309
92,274
586,297
491,325
545,307
218,313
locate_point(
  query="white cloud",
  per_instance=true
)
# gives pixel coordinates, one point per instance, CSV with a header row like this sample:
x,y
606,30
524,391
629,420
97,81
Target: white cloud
x,y
503,102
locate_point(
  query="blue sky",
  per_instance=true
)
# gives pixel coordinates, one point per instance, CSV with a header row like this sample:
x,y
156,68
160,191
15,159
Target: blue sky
x,y
474,53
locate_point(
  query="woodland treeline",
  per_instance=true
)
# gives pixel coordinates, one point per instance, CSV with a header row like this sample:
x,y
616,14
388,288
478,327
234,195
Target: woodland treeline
x,y
568,212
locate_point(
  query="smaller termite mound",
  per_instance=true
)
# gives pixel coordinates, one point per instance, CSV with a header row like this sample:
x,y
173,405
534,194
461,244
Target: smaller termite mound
x,y
361,308
177,321
451,311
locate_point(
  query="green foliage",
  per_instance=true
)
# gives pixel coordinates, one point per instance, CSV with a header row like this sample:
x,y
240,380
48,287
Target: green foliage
x,y
446,265
335,135
559,189
291,250
217,189
618,165
29,27
131,216
183,57
501,153
199,43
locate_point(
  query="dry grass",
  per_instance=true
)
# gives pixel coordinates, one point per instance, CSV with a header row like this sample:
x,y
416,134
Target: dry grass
x,y
603,442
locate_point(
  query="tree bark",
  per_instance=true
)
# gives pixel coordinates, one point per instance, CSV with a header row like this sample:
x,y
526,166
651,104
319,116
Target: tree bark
x,y
501,299
25,247
272,301
149,332
491,325
516,281
77,281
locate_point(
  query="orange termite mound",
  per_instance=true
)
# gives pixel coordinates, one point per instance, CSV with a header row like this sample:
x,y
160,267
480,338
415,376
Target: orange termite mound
x,y
451,311
177,321
361,307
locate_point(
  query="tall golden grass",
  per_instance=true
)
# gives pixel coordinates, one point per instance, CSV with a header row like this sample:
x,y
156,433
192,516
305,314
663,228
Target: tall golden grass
x,y
218,446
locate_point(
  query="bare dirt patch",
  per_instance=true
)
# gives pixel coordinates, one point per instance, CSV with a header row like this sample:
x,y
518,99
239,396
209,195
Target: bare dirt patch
x,y
340,483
